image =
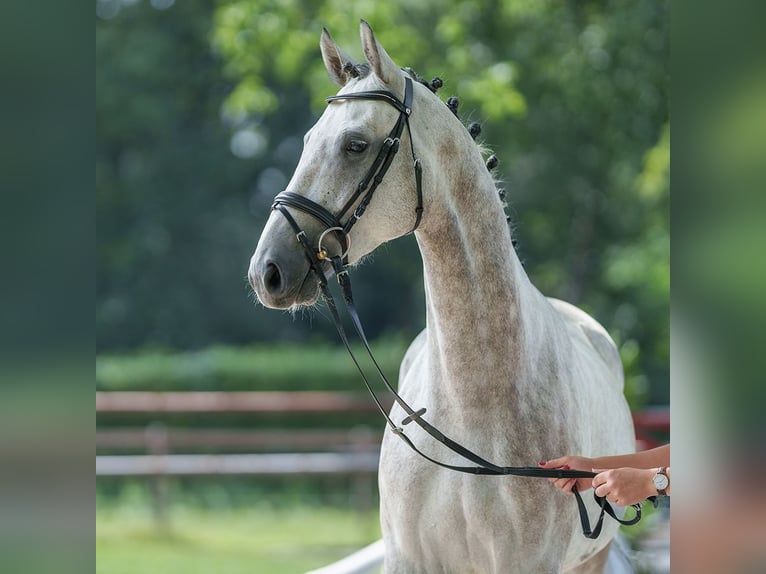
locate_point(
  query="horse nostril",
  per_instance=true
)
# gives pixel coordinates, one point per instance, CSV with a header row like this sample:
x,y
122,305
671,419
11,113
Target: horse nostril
x,y
272,279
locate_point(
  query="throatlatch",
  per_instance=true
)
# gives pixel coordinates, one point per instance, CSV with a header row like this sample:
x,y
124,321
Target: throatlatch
x,y
317,255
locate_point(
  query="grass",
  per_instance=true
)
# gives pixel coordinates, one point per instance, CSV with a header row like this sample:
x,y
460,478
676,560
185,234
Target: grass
x,y
253,540
230,541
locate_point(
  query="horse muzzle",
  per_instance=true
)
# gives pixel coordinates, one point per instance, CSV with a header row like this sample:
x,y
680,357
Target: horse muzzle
x,y
281,284
279,271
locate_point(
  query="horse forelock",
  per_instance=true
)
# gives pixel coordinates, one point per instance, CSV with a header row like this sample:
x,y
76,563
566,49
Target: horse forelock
x,y
357,70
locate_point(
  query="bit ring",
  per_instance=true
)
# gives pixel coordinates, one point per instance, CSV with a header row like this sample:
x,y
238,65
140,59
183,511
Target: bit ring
x,y
322,253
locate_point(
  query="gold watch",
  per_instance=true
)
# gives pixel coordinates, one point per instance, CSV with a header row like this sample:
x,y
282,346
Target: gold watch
x,y
661,481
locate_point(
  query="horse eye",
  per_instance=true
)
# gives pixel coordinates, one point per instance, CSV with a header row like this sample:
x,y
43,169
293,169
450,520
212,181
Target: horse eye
x,y
356,146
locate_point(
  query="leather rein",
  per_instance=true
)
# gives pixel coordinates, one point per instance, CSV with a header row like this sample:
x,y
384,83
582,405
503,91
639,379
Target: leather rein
x,y
317,255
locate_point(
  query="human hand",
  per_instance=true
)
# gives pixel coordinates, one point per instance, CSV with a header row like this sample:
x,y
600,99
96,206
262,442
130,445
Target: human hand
x,y
625,486
570,463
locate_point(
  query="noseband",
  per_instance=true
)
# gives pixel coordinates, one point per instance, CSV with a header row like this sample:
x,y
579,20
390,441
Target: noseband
x,y
366,187
317,254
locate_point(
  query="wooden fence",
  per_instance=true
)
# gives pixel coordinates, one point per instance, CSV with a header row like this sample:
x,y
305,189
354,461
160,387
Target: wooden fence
x,y
307,451
267,452
340,451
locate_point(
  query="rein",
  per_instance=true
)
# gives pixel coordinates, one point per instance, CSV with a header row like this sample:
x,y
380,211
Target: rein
x,y
366,186
316,255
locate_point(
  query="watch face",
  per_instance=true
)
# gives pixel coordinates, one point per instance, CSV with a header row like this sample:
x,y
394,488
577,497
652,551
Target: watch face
x,y
660,481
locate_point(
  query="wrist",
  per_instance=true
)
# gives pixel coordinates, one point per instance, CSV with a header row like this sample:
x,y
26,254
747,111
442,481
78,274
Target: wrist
x,y
661,481
651,489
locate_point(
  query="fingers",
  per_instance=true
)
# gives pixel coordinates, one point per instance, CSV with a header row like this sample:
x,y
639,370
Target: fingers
x,y
554,463
600,482
564,484
568,463
606,488
604,492
601,477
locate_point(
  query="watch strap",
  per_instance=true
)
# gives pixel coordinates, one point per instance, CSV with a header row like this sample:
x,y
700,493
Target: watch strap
x,y
664,472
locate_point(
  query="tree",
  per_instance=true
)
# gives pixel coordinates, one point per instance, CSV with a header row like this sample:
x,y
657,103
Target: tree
x,y
201,115
575,100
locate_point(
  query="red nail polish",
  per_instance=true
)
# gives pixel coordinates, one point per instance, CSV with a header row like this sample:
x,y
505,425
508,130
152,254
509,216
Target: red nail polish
x,y
565,467
541,463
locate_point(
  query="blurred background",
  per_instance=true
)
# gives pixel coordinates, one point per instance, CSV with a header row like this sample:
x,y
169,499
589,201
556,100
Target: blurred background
x,y
200,112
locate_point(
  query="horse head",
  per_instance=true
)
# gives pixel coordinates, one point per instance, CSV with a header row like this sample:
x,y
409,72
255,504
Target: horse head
x,y
351,146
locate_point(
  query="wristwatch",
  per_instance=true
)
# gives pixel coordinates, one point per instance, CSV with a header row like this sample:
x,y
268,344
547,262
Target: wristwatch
x,y
661,481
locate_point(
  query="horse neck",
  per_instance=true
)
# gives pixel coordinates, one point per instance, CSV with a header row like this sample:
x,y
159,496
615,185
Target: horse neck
x,y
477,293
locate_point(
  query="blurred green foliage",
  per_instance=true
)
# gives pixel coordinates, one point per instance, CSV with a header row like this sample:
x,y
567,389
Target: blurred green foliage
x,y
259,367
200,117
296,367
721,251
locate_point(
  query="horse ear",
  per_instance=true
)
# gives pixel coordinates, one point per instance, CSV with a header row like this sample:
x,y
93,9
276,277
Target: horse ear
x,y
335,59
382,64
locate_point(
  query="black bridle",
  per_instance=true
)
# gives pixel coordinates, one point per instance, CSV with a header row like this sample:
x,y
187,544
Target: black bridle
x,y
317,255
366,187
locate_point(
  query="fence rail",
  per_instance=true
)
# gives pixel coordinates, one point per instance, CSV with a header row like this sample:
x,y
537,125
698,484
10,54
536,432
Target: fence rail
x,y
237,464
353,452
159,441
156,437
650,422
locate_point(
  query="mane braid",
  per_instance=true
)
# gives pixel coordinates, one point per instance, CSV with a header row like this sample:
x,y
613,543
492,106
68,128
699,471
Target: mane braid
x,y
474,129
414,75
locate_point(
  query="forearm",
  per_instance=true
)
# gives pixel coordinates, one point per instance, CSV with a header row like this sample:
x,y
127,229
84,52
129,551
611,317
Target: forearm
x,y
652,458
667,490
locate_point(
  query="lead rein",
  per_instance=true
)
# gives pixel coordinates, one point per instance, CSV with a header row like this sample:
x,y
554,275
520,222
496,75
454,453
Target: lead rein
x,y
484,467
374,176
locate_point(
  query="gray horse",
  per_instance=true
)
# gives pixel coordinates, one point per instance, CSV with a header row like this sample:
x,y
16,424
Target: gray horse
x,y
513,375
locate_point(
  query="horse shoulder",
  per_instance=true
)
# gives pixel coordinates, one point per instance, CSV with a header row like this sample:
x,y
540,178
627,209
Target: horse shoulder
x,y
595,334
413,351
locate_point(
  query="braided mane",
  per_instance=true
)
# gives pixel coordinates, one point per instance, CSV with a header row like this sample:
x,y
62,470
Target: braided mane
x,y
474,128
